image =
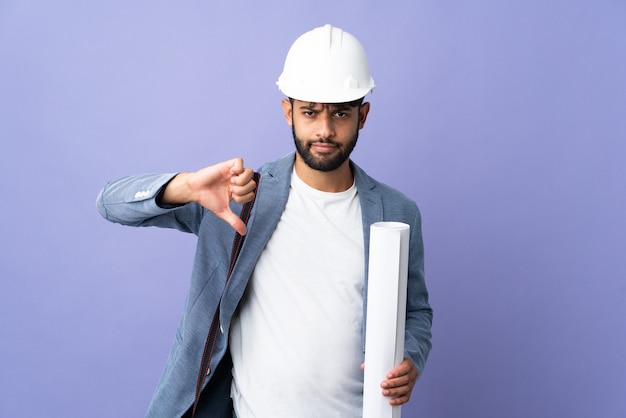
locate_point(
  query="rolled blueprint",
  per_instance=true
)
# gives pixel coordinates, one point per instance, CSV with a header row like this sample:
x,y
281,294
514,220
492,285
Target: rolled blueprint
x,y
386,313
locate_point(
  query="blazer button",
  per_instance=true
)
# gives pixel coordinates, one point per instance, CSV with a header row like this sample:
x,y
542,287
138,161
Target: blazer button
x,y
208,372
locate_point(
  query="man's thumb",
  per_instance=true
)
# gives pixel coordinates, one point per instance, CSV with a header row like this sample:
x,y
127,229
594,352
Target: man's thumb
x,y
234,221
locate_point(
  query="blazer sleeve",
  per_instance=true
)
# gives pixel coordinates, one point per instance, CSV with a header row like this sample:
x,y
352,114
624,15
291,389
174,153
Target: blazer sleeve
x,y
419,314
132,201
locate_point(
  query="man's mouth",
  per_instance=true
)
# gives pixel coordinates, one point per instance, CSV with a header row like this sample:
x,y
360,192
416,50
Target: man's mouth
x,y
323,147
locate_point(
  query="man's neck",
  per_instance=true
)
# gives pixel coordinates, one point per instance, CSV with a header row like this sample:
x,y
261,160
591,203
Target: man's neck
x,y
334,181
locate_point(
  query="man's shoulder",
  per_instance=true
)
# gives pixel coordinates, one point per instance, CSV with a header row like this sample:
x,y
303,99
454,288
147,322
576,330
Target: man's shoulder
x,y
365,182
277,167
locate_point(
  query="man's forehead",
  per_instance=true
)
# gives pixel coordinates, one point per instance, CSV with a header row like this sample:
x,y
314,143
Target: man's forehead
x,y
321,106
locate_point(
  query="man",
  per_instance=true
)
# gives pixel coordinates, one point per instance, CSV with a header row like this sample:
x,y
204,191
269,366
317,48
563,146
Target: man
x,y
291,339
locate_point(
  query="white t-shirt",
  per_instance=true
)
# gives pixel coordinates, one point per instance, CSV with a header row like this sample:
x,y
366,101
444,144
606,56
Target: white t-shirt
x,y
296,342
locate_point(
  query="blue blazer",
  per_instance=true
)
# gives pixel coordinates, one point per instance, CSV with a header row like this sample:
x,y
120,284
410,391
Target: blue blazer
x,y
132,201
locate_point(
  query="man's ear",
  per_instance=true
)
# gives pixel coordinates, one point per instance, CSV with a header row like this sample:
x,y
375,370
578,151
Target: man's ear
x,y
364,109
288,111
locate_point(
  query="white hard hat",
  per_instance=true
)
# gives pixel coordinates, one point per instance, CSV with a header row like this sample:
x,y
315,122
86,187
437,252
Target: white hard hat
x,y
326,65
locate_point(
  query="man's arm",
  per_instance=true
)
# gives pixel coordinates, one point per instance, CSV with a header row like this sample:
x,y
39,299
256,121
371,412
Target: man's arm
x,y
145,200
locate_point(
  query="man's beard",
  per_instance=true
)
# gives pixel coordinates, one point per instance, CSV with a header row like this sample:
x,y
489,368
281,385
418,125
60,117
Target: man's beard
x,y
324,163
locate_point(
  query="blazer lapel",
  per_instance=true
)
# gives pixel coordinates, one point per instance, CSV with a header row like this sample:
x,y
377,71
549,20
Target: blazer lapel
x,y
271,199
371,204
371,212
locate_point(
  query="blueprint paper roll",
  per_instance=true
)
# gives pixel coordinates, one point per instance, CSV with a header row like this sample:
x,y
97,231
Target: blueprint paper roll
x,y
386,313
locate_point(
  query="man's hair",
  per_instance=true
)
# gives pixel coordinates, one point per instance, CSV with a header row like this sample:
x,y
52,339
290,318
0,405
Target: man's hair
x,y
354,103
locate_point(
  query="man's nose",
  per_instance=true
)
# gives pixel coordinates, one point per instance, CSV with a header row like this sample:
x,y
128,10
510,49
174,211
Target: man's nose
x,y
325,126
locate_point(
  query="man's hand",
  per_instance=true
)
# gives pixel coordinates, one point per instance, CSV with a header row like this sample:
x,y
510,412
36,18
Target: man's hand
x,y
214,187
400,382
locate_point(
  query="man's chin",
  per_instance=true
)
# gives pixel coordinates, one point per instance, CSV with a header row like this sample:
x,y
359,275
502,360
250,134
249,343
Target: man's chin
x,y
325,166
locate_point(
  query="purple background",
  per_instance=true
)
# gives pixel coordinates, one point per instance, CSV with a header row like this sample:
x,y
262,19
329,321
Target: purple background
x,y
505,121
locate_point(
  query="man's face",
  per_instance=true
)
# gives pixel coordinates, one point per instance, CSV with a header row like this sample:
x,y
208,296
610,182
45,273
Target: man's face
x,y
324,134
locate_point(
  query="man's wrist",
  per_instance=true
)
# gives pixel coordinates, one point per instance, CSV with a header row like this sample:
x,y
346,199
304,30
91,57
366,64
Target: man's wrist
x,y
176,191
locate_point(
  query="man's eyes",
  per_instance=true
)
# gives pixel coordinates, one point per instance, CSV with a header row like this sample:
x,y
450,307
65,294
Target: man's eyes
x,y
338,114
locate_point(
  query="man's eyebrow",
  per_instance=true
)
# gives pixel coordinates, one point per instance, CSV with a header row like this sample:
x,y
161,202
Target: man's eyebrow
x,y
337,107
